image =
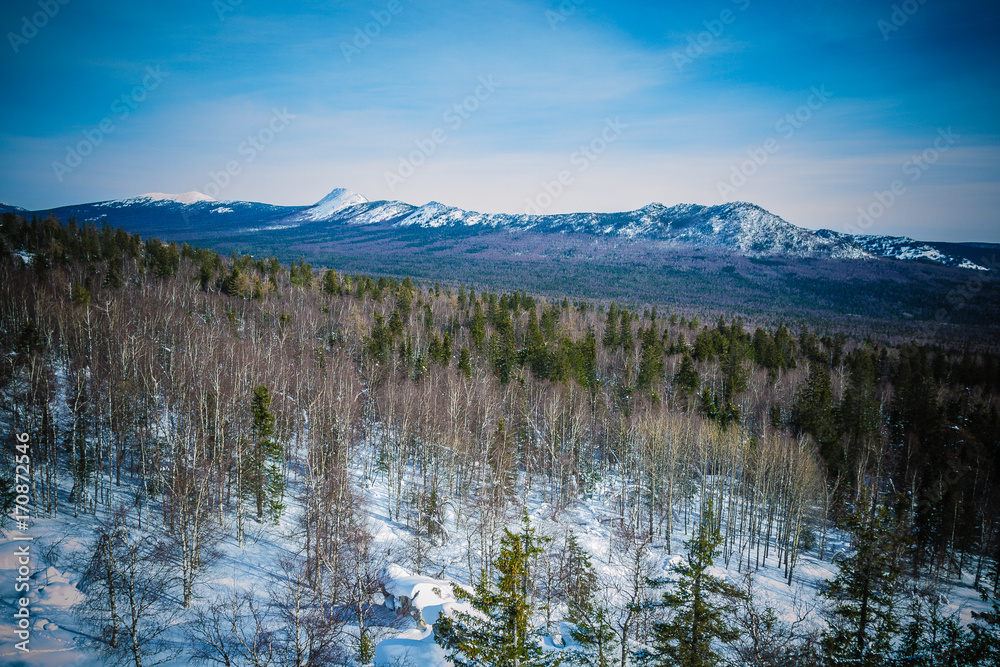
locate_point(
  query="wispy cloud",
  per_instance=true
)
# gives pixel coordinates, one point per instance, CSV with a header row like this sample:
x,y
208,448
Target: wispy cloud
x,y
559,81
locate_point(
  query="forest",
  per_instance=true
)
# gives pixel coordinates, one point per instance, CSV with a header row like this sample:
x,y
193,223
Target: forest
x,y
180,402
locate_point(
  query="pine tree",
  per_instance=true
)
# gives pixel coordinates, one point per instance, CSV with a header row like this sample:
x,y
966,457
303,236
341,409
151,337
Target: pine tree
x,y
477,327
863,618
265,479
686,377
331,282
587,368
593,630
610,338
465,363
735,374
698,602
930,639
497,633
537,355
986,630
651,364
813,413
625,339
579,580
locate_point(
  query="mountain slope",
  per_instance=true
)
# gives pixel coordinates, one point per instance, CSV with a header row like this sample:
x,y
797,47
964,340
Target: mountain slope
x,y
716,258
738,227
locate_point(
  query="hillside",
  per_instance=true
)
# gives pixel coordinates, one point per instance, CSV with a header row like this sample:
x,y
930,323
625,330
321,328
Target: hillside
x,y
267,464
719,260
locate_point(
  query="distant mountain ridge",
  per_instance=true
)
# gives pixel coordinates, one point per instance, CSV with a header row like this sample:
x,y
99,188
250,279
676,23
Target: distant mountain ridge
x,y
740,228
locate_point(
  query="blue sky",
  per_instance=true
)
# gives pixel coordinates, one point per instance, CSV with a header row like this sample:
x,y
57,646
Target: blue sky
x,y
812,110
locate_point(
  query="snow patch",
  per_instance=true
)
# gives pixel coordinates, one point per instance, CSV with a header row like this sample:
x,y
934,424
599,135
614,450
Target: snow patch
x,y
337,200
191,197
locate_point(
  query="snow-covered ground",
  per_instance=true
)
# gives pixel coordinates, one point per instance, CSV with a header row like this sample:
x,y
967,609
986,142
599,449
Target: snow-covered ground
x,y
59,634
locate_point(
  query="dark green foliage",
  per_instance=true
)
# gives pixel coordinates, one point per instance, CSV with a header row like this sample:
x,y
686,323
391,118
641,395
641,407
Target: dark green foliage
x,y
716,408
699,602
596,634
930,639
502,636
625,338
610,338
396,323
331,282
81,293
734,371
864,616
536,352
859,414
650,375
265,479
587,361
300,274
686,377
404,298
29,341
814,414
503,355
162,258
579,580
477,328
464,364
113,277
378,346
986,630
809,345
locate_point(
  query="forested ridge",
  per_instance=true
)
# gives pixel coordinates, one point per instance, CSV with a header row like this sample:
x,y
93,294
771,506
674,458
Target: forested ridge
x,y
182,398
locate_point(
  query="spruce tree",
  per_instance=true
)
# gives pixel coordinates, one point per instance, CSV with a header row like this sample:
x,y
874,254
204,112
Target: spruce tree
x,y
610,338
537,355
686,377
464,362
331,282
734,372
651,364
864,594
986,630
931,638
625,339
265,479
814,413
699,603
498,632
592,627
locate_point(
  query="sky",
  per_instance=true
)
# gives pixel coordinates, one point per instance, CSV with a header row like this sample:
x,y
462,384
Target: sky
x,y
859,116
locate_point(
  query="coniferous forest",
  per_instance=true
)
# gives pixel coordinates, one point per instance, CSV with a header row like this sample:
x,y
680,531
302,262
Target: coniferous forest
x,y
185,408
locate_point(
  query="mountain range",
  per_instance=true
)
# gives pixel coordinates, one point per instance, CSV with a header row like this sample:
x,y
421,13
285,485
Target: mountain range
x,y
702,258
739,227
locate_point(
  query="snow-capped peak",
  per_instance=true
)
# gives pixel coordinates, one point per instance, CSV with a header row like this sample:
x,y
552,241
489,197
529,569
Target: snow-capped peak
x,y
337,200
182,198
